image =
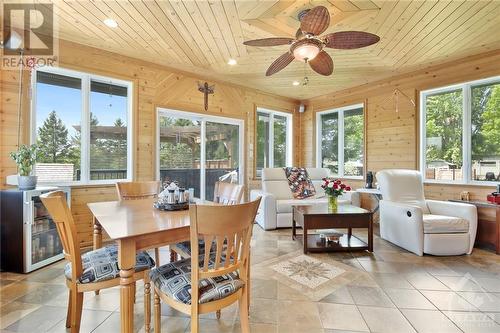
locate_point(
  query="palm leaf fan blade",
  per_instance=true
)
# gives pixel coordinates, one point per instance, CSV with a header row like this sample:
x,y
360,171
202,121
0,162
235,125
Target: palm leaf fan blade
x,y
350,39
322,64
280,63
315,21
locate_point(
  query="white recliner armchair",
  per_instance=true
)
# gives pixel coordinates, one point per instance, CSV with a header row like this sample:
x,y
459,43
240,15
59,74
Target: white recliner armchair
x,y
421,226
275,210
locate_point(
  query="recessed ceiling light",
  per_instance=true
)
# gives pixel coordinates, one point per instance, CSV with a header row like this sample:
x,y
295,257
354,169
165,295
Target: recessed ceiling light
x,y
295,83
232,62
111,23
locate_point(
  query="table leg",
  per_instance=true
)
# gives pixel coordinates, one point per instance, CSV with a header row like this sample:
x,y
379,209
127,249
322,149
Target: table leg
x,y
126,262
97,242
304,231
370,233
294,231
97,234
349,233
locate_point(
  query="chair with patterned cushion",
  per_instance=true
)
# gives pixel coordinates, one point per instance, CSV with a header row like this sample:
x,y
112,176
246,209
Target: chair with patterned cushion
x,y
224,194
221,276
93,270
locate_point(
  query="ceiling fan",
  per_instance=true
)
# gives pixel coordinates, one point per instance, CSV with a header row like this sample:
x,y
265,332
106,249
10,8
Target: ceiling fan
x,y
308,46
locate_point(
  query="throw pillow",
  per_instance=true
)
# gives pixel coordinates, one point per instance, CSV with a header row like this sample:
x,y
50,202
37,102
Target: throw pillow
x,y
299,182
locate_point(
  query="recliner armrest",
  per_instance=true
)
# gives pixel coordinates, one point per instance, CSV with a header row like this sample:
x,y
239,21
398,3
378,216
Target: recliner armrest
x,y
266,216
457,209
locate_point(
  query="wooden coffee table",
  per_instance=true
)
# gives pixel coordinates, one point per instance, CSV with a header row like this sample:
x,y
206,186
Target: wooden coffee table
x,y
345,217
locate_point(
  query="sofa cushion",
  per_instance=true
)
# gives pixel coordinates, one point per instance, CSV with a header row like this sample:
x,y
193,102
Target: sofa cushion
x,y
440,224
285,206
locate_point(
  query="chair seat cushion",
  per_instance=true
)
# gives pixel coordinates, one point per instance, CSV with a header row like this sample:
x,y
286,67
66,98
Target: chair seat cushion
x,y
286,205
174,280
440,224
185,247
102,264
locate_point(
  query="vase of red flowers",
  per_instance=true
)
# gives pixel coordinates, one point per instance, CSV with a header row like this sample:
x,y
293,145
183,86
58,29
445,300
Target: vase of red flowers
x,y
333,189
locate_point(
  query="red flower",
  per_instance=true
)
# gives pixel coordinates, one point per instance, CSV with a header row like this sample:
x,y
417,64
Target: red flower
x,y
335,186
342,186
347,188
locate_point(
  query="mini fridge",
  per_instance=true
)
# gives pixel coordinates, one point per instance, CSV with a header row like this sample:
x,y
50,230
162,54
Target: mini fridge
x,y
29,238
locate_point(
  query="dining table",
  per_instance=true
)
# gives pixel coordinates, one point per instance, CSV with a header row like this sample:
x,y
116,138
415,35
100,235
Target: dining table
x,y
135,225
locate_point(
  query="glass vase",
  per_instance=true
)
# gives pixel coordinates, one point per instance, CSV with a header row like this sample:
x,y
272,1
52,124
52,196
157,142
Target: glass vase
x,y
332,203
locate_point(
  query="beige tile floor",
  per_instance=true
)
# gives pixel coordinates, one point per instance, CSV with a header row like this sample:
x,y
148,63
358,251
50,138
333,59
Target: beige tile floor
x,y
395,291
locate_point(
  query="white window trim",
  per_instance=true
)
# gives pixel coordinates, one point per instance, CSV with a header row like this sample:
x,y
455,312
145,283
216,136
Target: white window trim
x,y
340,154
466,130
85,114
288,138
203,119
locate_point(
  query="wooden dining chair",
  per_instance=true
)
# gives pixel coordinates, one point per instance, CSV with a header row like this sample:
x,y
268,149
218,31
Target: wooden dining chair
x,y
137,191
92,270
210,281
224,194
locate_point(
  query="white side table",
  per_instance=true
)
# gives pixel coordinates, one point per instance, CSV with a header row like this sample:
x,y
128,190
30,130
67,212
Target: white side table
x,y
377,196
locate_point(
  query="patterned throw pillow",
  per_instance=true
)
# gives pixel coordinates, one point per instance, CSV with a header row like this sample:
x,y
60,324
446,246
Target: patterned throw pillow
x,y
299,183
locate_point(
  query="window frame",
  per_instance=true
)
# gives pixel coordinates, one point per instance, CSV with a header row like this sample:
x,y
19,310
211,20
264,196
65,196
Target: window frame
x,y
466,88
86,79
288,139
203,119
341,147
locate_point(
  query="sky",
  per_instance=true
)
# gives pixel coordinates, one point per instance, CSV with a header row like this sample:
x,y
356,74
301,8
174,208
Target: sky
x,y
67,102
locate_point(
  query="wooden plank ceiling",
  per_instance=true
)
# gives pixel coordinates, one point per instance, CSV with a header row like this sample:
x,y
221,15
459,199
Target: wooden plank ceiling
x,y
200,36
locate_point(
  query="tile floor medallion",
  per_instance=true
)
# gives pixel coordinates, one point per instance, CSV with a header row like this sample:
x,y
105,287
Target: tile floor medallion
x,y
307,271
314,275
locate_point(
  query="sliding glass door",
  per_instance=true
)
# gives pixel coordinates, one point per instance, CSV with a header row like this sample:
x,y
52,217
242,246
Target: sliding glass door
x,y
197,150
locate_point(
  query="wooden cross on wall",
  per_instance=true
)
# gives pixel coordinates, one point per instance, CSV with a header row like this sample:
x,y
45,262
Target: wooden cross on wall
x,y
206,90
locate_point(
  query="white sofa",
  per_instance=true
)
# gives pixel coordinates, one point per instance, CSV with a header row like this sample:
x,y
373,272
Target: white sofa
x,y
421,226
275,209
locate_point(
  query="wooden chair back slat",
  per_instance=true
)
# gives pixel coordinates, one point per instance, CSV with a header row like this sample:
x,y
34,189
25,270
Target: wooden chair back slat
x,y
57,206
137,190
228,193
208,246
230,246
231,228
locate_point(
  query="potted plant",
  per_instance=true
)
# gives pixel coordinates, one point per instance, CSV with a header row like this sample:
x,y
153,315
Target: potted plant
x,y
25,158
333,189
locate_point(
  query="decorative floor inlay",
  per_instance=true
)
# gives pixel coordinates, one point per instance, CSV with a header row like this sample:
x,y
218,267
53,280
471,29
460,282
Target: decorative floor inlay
x,y
314,276
307,271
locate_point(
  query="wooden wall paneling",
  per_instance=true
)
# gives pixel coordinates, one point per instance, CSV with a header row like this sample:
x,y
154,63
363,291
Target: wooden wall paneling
x,y
154,86
393,137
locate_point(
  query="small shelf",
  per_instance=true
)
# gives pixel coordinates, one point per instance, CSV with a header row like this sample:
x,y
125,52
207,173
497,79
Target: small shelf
x,y
316,244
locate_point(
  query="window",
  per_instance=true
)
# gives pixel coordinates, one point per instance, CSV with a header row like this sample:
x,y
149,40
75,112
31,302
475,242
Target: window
x,y
460,131
197,150
273,140
81,124
340,141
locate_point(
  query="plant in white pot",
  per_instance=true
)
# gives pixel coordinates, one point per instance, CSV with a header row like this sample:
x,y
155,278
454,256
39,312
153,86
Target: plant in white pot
x,y
25,158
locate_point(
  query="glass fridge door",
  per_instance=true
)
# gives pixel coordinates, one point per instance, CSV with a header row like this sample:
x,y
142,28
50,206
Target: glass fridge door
x,y
45,244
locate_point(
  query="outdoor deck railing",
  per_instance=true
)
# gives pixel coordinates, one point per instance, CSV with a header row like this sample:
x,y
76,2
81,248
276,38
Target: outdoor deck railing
x,y
185,177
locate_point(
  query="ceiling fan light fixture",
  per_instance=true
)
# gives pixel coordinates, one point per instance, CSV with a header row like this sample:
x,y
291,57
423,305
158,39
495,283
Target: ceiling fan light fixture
x,y
306,50
232,62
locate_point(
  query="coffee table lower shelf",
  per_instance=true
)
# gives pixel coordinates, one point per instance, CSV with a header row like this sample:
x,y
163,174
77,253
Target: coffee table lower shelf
x,y
316,244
